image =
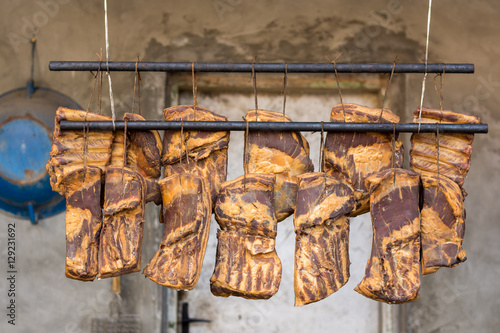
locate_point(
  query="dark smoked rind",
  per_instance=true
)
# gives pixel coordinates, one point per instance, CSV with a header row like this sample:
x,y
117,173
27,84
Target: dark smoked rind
x,y
83,222
353,157
186,212
246,262
322,237
443,223
121,236
393,272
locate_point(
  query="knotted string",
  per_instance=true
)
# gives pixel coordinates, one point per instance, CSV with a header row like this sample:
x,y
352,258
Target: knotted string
x,y
96,77
106,30
334,62
283,92
254,78
195,86
440,99
85,122
124,161
387,88
195,91
440,93
426,59
394,151
285,79
437,149
321,151
137,86
181,143
99,89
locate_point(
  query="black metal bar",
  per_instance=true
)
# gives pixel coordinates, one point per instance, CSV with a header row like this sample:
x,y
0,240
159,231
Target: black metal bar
x,y
260,67
274,126
186,320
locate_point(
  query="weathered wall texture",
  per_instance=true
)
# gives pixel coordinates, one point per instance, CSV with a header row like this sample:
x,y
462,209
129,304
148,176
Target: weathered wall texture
x,y
463,299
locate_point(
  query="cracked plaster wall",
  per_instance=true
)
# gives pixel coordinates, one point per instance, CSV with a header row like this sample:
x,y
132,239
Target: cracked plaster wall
x,y
459,300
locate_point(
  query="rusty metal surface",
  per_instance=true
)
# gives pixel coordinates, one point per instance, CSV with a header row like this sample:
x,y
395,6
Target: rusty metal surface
x,y
25,166
26,126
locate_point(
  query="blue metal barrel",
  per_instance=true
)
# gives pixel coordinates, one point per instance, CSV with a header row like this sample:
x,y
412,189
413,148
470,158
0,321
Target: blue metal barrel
x,y
26,127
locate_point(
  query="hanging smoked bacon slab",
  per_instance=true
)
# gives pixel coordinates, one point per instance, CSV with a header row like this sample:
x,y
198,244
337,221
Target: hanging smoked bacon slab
x,y
354,156
128,183
443,212
393,272
186,212
75,169
246,262
203,153
68,147
273,152
121,236
82,189
455,149
285,154
322,237
443,223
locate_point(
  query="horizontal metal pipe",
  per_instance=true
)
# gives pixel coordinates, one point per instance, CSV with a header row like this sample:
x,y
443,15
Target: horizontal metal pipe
x,y
275,126
260,67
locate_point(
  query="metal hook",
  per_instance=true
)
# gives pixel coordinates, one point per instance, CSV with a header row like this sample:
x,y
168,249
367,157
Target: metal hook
x,y
30,87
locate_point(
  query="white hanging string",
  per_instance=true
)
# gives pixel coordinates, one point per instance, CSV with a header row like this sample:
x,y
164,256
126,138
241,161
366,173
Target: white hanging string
x,y
107,65
426,58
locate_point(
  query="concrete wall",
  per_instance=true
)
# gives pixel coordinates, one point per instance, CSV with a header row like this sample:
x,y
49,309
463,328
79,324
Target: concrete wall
x,y
462,299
